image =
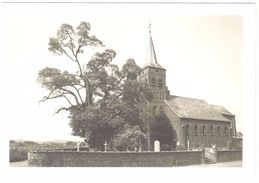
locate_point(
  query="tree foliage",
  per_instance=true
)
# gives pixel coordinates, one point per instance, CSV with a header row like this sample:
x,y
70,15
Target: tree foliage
x,y
129,138
104,101
161,130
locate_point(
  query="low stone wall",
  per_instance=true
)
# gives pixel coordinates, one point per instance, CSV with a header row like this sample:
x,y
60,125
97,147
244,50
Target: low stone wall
x,y
229,155
114,159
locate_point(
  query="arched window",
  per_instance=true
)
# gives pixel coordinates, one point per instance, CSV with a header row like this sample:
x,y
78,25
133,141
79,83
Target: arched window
x,y
204,130
187,130
218,130
211,130
153,82
226,131
154,110
160,83
196,130
160,109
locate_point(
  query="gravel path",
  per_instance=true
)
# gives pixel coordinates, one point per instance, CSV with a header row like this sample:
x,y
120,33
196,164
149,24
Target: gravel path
x,y
19,164
224,164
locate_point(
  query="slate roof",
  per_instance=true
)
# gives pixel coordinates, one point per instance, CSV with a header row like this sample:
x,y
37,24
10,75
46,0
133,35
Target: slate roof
x,y
190,108
222,110
151,59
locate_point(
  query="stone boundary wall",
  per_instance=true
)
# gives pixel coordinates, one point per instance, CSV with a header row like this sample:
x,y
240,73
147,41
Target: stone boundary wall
x,y
229,155
113,159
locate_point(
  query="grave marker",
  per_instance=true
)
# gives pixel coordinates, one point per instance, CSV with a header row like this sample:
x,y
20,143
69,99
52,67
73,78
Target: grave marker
x,y
157,146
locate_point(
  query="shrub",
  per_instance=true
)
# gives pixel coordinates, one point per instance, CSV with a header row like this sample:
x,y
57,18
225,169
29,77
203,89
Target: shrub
x,y
18,154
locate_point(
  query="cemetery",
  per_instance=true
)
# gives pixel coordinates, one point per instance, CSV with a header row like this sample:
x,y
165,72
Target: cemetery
x,y
80,157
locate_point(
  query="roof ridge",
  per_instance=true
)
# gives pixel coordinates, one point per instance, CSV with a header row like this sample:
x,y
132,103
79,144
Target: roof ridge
x,y
188,98
217,105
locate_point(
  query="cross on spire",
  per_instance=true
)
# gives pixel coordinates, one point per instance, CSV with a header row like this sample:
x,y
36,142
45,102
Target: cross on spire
x,y
149,26
151,59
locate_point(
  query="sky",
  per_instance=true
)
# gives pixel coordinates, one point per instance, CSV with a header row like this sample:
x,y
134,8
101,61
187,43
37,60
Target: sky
x,y
200,47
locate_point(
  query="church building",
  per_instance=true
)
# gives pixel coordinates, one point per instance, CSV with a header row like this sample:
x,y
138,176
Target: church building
x,y
195,122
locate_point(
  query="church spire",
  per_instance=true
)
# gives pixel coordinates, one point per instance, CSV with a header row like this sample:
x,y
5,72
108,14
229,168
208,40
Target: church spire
x,y
151,59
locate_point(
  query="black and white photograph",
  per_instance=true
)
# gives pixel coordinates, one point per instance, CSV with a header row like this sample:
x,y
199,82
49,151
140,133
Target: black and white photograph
x,y
129,85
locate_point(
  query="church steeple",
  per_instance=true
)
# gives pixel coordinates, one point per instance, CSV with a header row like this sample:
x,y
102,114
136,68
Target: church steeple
x,y
153,74
151,59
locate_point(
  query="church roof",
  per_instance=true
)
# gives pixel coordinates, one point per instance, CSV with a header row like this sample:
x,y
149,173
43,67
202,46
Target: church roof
x,y
151,59
190,108
222,110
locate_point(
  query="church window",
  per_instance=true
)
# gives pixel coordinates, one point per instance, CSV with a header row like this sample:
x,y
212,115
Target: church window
x,y
161,109
218,130
204,130
153,81
154,110
160,83
226,131
187,130
196,130
211,130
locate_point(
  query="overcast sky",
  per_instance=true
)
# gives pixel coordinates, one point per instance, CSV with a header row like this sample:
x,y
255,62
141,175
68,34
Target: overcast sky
x,y
200,47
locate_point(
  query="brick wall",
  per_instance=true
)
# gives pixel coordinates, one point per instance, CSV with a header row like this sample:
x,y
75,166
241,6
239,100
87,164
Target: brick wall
x,y
229,155
199,140
114,159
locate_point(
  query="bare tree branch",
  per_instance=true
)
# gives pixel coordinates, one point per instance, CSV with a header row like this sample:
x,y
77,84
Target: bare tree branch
x,y
72,93
71,42
67,100
45,98
78,93
68,55
63,109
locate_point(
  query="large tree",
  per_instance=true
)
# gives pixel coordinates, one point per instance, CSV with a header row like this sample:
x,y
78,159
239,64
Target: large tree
x,y
103,101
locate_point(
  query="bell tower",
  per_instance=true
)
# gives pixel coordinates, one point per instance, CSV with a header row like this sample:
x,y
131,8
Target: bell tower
x,y
153,73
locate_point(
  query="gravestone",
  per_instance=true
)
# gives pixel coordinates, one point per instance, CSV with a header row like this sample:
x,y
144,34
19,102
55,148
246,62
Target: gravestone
x,y
157,146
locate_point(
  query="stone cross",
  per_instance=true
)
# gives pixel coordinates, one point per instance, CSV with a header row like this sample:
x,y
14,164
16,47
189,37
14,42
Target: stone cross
x,y
157,146
78,145
105,146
